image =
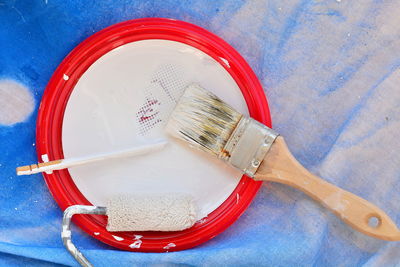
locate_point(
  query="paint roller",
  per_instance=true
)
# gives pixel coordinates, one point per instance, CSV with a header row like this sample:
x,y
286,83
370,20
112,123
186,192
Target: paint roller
x,y
151,212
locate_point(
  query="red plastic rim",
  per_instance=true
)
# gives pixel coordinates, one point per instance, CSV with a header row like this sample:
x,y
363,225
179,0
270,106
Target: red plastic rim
x,y
55,98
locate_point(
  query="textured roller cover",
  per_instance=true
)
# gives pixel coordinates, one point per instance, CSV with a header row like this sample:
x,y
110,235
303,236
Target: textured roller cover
x,y
164,212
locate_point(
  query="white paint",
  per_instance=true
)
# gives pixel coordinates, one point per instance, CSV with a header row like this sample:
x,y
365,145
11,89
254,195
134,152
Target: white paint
x,y
65,77
202,221
96,233
170,245
226,62
101,116
136,244
118,238
137,237
16,102
45,158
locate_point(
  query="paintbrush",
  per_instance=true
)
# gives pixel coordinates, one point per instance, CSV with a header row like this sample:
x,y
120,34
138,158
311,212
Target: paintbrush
x,y
207,123
71,162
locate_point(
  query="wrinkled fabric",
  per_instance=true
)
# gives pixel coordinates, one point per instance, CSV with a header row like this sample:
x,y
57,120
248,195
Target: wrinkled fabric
x,y
331,72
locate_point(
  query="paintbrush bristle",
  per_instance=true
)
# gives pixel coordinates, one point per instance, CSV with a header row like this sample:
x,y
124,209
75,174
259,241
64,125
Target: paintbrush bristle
x,y
203,120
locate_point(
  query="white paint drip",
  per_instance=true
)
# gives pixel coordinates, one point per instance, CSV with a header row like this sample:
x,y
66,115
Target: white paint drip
x,y
97,233
117,238
136,244
65,77
170,245
226,62
45,158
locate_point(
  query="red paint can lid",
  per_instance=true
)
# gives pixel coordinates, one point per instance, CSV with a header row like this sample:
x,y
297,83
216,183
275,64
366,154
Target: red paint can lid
x,y
55,99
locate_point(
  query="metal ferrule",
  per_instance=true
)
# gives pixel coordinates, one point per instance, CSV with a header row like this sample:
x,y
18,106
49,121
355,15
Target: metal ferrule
x,y
248,145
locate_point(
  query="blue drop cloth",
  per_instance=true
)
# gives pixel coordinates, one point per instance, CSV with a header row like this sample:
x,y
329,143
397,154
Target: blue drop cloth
x,y
331,72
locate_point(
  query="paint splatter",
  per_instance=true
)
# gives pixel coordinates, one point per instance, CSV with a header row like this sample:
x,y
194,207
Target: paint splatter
x,y
45,158
170,245
136,244
202,221
117,238
226,62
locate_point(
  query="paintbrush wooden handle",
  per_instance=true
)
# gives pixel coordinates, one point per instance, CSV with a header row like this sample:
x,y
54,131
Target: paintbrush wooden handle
x,y
280,166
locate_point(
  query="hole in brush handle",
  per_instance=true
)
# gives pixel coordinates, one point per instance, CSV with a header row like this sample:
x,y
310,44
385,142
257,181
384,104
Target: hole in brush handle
x,y
374,221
